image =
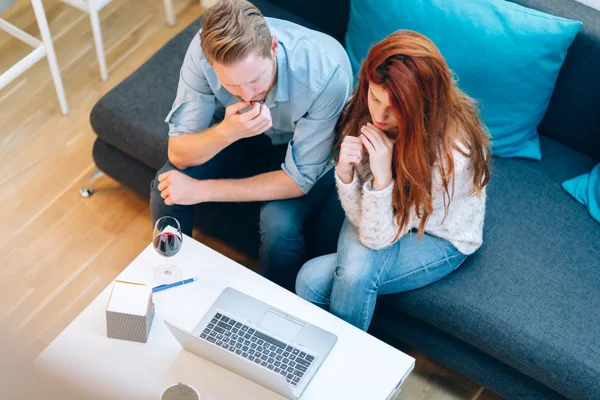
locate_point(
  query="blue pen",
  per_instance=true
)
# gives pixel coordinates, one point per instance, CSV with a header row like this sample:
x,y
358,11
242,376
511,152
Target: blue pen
x,y
170,285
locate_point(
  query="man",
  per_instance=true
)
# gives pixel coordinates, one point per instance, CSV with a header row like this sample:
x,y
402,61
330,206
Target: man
x,y
258,100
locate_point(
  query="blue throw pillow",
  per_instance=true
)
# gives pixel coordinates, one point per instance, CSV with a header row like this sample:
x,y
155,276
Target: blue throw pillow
x,y
504,55
586,190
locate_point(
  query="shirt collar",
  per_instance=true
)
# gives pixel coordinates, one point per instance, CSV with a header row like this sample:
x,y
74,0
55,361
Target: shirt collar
x,y
280,91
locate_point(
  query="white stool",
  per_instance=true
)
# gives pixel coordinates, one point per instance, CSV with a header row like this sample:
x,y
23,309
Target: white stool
x,y
43,48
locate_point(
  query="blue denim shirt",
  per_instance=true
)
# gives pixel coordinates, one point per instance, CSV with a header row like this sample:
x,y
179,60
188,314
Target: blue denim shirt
x,y
314,80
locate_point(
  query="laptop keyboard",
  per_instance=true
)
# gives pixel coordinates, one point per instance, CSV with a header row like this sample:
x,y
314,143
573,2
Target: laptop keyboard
x,y
257,347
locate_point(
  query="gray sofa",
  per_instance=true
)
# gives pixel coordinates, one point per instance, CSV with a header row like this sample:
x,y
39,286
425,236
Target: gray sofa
x,y
522,316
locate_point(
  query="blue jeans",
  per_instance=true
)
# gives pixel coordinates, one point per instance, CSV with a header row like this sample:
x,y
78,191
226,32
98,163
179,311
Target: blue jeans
x,y
281,221
348,282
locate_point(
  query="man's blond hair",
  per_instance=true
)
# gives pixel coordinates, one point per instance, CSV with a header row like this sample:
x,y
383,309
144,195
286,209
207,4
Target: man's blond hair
x,y
232,30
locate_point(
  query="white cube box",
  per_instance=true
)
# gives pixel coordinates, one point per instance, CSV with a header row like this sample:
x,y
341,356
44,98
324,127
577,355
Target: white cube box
x,y
129,312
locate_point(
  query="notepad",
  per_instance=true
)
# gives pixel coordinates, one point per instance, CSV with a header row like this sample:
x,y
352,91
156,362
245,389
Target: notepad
x,y
129,298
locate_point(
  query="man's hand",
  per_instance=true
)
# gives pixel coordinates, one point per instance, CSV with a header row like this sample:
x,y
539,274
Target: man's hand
x,y
351,154
381,150
251,123
178,188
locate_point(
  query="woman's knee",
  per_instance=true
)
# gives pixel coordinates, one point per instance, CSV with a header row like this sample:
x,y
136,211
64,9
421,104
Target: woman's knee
x,y
351,275
315,279
305,277
358,267
304,281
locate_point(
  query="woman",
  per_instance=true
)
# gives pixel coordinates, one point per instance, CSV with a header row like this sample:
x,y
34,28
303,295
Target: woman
x,y
412,166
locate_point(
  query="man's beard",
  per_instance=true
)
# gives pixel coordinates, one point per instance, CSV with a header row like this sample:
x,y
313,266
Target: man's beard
x,y
257,99
262,96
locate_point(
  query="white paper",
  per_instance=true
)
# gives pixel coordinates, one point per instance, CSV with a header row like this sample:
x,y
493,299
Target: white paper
x,y
129,298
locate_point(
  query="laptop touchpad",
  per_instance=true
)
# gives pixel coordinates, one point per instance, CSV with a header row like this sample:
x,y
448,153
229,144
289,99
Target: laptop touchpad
x,y
280,326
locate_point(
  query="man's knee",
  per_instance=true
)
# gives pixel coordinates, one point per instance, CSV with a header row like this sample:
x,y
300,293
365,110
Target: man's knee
x,y
155,198
279,222
158,208
165,168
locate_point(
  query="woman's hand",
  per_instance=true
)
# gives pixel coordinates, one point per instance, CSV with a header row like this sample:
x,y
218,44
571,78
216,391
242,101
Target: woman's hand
x,y
381,150
351,154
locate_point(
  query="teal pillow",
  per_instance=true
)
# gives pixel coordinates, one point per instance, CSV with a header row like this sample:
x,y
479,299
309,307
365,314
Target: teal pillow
x,y
586,190
504,55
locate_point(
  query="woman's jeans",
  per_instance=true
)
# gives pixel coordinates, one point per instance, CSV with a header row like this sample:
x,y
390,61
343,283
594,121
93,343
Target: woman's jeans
x,y
347,283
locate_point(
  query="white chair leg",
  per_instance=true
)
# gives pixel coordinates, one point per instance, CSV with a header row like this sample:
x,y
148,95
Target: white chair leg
x,y
40,16
95,20
170,12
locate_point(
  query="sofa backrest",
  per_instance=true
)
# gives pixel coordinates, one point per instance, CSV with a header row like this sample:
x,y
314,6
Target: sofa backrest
x,y
331,16
573,117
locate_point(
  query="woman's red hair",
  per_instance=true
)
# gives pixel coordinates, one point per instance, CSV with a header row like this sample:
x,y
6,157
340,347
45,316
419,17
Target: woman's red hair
x,y
433,114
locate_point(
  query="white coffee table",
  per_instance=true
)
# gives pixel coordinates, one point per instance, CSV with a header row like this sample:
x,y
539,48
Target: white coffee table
x,y
359,366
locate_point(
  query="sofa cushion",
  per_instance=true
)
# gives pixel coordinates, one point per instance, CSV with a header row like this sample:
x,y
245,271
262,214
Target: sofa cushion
x,y
530,296
572,117
586,190
504,55
131,116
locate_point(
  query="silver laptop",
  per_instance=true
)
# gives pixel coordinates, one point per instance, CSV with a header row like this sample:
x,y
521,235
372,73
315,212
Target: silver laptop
x,y
259,342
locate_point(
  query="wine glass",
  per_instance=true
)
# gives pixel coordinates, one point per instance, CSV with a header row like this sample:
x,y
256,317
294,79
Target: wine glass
x,y
167,241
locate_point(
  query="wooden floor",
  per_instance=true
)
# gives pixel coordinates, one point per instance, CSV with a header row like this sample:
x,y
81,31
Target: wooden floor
x,y
57,250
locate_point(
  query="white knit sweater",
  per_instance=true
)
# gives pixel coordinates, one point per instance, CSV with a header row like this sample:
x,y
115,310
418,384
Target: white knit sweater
x,y
371,211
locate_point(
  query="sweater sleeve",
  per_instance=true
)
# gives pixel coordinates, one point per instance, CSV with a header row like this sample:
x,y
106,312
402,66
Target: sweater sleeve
x,y
378,226
350,197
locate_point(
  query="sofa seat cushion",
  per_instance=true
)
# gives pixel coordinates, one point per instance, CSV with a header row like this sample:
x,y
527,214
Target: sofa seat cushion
x,y
131,116
531,295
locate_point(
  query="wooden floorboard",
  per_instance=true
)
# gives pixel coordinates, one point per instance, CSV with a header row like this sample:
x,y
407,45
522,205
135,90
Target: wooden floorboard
x,y
59,251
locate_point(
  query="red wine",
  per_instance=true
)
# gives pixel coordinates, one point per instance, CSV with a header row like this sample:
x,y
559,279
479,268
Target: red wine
x,y
167,243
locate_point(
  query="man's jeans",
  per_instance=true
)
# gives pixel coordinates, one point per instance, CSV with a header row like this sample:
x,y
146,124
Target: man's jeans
x,y
281,221
348,283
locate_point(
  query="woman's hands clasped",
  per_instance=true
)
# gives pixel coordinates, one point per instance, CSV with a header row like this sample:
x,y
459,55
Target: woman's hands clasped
x,y
381,151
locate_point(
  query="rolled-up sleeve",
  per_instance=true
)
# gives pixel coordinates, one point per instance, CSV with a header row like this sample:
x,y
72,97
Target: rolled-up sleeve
x,y
194,104
309,152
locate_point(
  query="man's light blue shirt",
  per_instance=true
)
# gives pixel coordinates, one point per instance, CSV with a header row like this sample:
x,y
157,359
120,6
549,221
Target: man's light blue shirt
x,y
314,81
